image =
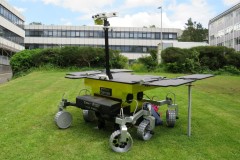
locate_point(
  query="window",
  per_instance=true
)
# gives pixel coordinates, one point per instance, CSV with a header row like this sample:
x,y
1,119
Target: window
x,y
81,33
131,34
126,34
55,33
144,35
118,34
73,33
77,34
64,34
50,33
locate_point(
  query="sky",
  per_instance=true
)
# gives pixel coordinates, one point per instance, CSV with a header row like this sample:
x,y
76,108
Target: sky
x,y
131,13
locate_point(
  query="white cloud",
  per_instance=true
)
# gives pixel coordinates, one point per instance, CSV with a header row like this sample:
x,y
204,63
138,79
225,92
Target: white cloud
x,y
144,19
199,10
230,2
174,14
21,10
140,3
138,13
84,6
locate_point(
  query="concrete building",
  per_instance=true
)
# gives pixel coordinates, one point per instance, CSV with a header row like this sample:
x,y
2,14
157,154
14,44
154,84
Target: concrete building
x,y
133,42
224,29
11,37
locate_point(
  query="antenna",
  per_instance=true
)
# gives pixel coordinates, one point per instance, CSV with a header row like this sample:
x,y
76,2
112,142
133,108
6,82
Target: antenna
x,y
103,17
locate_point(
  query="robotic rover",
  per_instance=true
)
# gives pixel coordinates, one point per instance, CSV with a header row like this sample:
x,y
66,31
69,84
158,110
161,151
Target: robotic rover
x,y
121,100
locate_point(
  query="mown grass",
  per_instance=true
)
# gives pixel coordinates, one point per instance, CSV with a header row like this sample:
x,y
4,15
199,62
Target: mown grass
x,y
28,105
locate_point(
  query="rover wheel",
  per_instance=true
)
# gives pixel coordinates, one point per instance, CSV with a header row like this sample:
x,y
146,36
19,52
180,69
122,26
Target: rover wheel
x,y
63,119
171,118
144,131
89,116
118,146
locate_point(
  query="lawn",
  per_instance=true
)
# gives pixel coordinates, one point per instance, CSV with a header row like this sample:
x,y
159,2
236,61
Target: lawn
x,y
27,131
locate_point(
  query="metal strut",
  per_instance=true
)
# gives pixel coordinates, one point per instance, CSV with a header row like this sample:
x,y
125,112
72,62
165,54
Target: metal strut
x,y
189,108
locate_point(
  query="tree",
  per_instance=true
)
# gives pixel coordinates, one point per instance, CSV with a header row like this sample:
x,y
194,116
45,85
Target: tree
x,y
194,32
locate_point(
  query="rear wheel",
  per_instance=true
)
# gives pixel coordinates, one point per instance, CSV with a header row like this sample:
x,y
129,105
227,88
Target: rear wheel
x,y
89,116
171,117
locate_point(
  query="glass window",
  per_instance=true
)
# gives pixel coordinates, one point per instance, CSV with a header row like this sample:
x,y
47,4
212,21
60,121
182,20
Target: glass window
x,y
64,34
131,34
118,35
55,33
91,34
140,35
122,34
68,33
27,33
144,35
135,35
82,34
157,35
45,33
170,36
77,34
59,33
149,35
50,33
73,33
165,35
126,34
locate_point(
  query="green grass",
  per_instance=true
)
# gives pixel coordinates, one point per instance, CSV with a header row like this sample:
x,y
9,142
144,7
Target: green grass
x,y
27,131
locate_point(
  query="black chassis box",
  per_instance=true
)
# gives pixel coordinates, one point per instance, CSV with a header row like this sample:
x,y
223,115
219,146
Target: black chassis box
x,y
98,104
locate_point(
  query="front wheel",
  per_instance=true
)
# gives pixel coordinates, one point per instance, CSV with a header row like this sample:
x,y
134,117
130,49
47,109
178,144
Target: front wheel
x,y
63,119
118,146
144,131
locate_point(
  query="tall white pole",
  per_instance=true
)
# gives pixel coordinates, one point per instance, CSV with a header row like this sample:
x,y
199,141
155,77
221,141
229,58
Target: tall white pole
x,y
160,47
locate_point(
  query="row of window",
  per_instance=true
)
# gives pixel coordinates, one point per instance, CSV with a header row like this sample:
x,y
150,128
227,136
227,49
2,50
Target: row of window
x,y
4,12
237,40
5,33
100,34
129,49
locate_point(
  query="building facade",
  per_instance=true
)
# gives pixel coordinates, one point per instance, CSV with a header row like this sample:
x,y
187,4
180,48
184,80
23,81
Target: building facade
x,y
224,29
132,42
11,34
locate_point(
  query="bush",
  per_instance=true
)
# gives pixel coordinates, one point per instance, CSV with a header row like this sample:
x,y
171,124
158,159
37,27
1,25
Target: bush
x,y
200,59
24,60
65,57
150,61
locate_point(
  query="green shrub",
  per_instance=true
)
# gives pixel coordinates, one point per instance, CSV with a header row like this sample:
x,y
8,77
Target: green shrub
x,y
65,57
150,62
139,67
24,60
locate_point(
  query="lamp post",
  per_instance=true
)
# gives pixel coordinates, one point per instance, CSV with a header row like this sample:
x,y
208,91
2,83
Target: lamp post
x,y
160,48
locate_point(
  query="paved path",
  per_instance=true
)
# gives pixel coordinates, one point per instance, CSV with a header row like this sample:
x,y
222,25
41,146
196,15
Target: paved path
x,y
4,77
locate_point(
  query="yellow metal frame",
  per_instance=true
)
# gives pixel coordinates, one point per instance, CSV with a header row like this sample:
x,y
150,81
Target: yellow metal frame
x,y
119,90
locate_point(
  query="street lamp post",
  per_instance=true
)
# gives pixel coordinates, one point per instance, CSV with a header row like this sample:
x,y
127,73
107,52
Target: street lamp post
x,y
161,43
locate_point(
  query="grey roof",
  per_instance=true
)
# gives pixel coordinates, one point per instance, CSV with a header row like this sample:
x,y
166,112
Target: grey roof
x,y
225,13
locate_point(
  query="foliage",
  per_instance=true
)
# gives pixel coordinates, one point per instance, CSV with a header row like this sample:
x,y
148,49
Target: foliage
x,y
194,32
65,57
24,60
150,61
200,59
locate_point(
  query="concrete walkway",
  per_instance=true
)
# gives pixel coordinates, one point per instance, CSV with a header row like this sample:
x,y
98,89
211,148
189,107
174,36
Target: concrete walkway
x,y
5,77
